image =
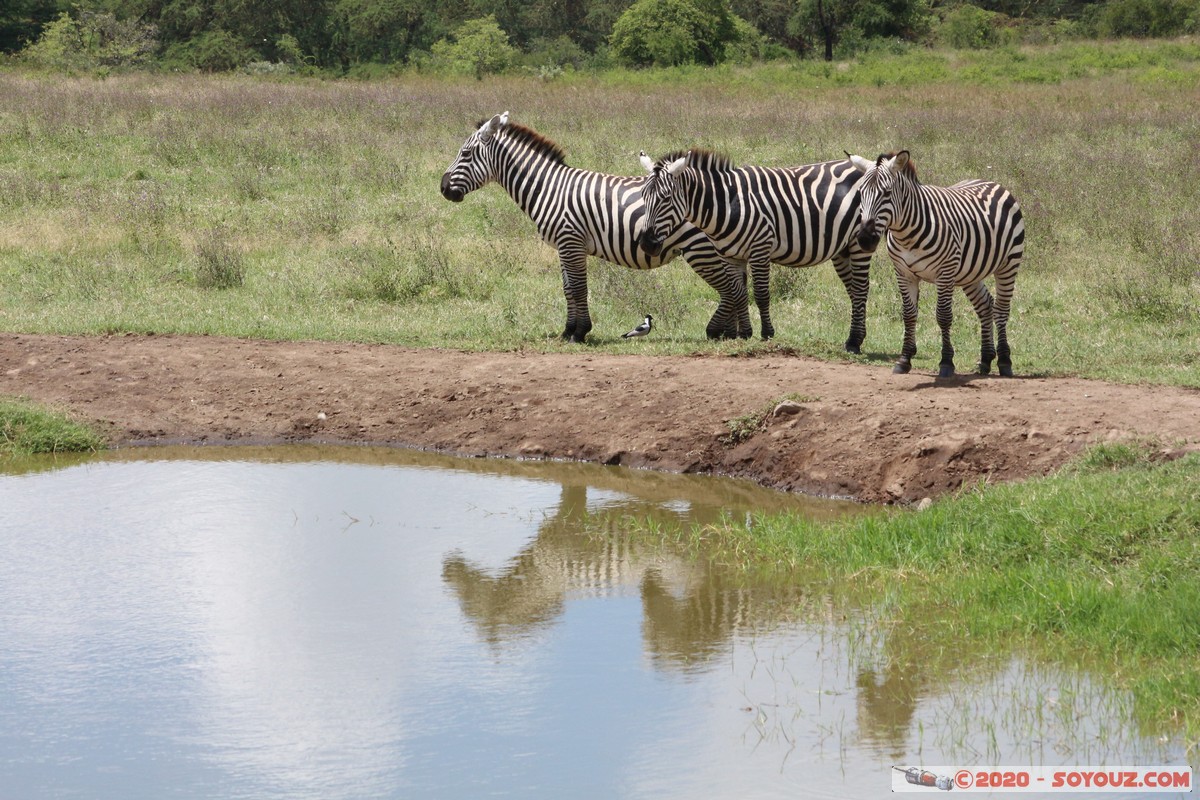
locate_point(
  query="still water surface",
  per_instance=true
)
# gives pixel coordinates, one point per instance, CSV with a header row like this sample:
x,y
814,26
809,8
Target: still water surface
x,y
340,622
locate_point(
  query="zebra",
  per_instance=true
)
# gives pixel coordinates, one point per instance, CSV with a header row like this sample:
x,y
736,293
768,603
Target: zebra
x,y
581,214
948,236
796,217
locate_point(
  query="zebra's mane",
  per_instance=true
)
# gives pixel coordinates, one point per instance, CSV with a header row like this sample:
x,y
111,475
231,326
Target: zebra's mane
x,y
910,168
534,141
701,159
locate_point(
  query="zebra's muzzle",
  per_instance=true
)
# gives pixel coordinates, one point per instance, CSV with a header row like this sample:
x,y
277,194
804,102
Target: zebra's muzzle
x,y
868,238
453,195
650,243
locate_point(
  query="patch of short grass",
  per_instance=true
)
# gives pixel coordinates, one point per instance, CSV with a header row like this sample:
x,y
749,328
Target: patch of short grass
x,y
745,426
29,429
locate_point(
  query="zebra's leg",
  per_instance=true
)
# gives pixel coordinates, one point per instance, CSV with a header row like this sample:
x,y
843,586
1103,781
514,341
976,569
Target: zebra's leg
x,y
945,317
1006,279
728,280
569,330
574,274
853,266
978,294
741,300
910,293
760,272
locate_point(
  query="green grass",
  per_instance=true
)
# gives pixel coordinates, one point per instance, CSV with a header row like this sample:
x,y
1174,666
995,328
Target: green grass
x,y
309,209
1094,566
28,429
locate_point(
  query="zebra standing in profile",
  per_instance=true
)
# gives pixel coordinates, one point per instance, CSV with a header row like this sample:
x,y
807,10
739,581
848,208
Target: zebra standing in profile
x,y
796,217
583,214
948,236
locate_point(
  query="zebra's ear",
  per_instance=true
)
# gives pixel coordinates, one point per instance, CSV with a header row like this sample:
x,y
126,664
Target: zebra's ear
x,y
676,165
861,162
900,161
488,129
646,162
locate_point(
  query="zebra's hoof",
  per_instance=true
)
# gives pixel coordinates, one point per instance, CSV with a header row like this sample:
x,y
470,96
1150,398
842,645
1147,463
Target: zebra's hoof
x,y
853,347
984,367
1006,371
946,371
901,368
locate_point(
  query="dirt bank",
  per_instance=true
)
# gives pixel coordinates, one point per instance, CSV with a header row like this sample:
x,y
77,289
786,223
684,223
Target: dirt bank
x,y
864,433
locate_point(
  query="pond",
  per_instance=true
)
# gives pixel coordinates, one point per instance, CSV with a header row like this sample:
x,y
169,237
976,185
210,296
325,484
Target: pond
x,y
316,622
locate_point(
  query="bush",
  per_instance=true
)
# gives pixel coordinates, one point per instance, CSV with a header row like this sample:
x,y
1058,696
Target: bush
x,y
666,33
747,44
546,54
1148,18
91,42
969,27
212,51
480,47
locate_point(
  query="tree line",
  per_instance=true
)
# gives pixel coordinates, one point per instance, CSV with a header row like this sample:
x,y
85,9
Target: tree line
x,y
481,36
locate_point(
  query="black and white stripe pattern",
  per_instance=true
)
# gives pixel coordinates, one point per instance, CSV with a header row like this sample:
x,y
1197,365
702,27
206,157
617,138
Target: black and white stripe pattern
x,y
581,214
949,236
795,217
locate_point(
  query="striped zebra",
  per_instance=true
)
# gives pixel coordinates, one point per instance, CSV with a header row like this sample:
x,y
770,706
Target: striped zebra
x,y
581,214
948,236
796,217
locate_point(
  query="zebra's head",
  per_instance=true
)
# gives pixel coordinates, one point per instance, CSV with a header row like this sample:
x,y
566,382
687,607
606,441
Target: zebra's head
x,y
876,192
471,169
663,199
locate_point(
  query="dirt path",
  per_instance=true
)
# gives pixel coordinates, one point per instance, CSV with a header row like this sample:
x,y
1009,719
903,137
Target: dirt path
x,y
866,433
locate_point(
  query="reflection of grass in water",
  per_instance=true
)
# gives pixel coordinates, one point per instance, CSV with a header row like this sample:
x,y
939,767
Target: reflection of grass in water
x,y
1094,568
969,705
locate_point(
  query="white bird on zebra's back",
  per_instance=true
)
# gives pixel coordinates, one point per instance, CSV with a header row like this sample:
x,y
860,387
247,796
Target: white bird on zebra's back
x,y
640,330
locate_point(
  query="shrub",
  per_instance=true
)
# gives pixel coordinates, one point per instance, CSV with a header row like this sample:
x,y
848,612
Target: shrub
x,y
480,47
969,27
747,44
211,51
546,54
95,40
1156,18
667,33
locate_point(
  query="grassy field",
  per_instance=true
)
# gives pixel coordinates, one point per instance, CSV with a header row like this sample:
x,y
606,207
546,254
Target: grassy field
x,y
310,209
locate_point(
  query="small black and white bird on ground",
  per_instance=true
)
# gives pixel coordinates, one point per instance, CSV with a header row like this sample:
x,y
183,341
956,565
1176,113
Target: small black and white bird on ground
x,y
640,330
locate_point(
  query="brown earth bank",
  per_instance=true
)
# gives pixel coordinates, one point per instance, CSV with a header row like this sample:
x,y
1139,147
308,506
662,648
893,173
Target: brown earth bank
x,y
860,431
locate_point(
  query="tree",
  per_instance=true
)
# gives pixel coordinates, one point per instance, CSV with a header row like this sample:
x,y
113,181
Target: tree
x,y
670,32
385,31
832,21
770,18
21,21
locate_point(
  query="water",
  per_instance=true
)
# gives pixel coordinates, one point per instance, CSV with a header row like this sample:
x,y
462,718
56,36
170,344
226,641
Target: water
x,y
341,622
